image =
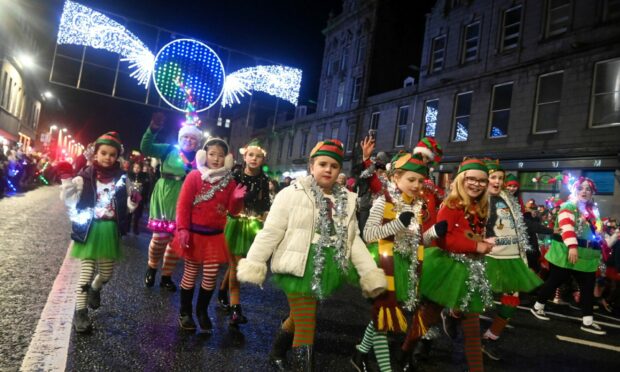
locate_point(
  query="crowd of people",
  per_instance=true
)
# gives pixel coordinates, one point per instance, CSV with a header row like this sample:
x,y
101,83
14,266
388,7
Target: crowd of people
x,y
424,257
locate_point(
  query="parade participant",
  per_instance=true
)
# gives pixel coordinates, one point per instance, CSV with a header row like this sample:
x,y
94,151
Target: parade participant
x,y
454,274
207,196
367,182
98,204
575,252
506,266
535,226
137,188
312,238
394,234
241,230
512,185
176,163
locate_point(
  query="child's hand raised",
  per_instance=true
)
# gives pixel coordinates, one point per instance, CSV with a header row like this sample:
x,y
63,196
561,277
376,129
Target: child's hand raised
x,y
239,192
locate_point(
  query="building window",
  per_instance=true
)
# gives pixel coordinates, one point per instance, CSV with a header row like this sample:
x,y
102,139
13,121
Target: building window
x,y
320,132
344,58
3,94
471,40
374,124
462,109
511,29
9,94
335,129
357,89
500,110
361,50
334,66
612,10
304,144
437,54
548,96
558,17
280,147
325,99
291,142
350,137
431,109
329,66
340,99
605,100
401,126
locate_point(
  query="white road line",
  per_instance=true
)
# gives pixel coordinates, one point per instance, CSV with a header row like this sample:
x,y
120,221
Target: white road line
x,y
574,317
588,343
50,343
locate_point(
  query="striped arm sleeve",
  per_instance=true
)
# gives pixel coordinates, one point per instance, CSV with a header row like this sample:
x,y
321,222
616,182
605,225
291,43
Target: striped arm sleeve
x,y
374,228
566,221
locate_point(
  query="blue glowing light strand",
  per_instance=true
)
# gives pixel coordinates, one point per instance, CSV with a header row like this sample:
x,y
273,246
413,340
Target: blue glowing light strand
x,y
281,81
80,25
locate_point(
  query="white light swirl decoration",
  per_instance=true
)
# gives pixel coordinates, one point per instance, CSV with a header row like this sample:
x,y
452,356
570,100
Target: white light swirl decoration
x,y
80,25
280,81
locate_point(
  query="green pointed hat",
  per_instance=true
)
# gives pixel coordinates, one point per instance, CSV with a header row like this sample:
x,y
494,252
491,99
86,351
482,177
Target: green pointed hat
x,y
492,165
408,162
472,164
511,179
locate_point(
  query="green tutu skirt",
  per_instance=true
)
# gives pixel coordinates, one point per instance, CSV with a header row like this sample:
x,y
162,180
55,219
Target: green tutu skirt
x,y
240,233
332,277
444,281
103,241
402,264
510,275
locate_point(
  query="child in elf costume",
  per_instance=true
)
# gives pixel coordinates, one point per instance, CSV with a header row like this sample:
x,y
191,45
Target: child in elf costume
x,y
98,204
207,196
394,232
241,230
454,275
506,264
575,252
312,238
176,163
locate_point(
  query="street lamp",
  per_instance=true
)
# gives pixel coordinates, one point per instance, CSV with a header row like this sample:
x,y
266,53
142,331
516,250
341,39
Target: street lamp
x,y
47,94
26,60
52,128
59,142
66,141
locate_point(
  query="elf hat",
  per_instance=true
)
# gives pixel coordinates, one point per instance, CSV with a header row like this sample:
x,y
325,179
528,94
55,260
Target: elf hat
x,y
331,147
472,164
511,180
408,162
428,146
110,139
492,165
254,143
190,130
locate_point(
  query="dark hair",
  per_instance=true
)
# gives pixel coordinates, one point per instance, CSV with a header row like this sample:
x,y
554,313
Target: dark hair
x,y
216,142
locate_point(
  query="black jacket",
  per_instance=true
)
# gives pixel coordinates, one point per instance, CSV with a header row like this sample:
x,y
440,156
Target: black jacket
x,y
88,198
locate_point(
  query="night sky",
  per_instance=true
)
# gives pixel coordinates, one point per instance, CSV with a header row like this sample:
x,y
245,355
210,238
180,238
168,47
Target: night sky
x,y
285,31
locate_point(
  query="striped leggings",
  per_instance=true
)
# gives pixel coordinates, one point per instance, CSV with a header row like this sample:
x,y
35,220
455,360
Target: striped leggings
x,y
302,319
87,271
190,273
379,342
159,244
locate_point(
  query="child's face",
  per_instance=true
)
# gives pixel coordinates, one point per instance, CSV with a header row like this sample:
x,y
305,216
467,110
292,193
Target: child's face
x,y
106,155
325,170
512,189
253,158
475,182
496,181
409,183
215,157
136,168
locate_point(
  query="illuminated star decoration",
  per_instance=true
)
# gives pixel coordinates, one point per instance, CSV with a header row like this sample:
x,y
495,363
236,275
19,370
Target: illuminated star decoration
x,y
80,25
191,117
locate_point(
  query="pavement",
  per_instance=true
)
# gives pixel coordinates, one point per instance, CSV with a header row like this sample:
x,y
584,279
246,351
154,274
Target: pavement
x,y
136,327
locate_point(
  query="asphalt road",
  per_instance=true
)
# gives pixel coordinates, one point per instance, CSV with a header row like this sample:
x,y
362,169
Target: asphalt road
x,y
136,327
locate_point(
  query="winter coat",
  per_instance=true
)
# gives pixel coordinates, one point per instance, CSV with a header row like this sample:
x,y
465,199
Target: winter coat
x,y
288,234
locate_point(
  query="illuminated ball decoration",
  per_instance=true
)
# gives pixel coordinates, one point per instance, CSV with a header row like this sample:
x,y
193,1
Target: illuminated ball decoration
x,y
194,64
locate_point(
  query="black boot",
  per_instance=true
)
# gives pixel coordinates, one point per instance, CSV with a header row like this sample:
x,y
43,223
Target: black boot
x,y
202,310
186,320
166,282
94,298
81,322
359,361
236,317
149,278
222,299
281,345
303,360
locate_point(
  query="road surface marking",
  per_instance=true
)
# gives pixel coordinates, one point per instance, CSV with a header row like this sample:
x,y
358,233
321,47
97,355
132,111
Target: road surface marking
x,y
588,343
50,343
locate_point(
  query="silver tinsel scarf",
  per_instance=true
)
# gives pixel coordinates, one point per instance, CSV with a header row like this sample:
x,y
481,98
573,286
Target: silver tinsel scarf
x,y
476,281
339,241
208,195
406,244
520,228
